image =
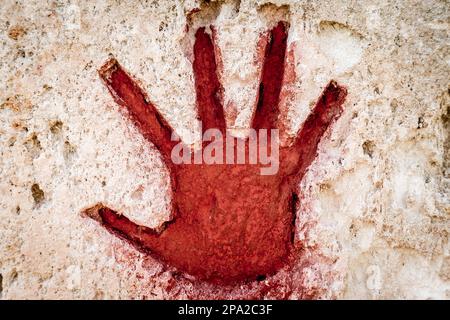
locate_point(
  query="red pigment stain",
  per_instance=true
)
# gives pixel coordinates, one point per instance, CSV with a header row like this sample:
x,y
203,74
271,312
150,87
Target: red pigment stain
x,y
230,223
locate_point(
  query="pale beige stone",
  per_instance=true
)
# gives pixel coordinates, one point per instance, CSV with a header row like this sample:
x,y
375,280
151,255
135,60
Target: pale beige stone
x,y
375,201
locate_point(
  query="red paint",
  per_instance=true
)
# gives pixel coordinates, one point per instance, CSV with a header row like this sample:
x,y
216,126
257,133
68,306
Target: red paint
x,y
207,85
229,222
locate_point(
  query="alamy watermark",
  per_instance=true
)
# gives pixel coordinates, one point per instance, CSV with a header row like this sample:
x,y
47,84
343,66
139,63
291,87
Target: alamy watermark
x,y
259,148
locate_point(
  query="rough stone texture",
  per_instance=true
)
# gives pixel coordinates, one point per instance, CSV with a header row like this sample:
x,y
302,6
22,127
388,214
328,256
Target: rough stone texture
x,y
374,208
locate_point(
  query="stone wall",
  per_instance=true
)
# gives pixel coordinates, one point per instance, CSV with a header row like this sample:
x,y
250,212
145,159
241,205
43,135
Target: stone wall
x,y
374,207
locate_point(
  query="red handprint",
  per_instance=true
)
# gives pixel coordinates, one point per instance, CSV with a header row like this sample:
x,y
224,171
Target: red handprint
x,y
230,223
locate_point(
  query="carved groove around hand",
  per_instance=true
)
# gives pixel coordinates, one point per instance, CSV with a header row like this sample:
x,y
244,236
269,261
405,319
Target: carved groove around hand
x,y
229,222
